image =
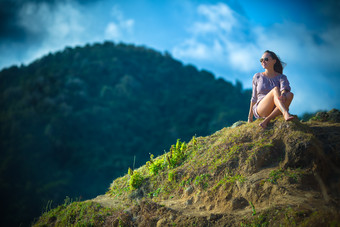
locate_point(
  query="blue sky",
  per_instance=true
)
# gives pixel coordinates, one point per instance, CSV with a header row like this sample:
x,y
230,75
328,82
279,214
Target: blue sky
x,y
224,37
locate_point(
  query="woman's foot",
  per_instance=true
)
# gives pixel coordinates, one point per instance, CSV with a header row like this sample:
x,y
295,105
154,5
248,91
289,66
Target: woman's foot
x,y
288,117
263,124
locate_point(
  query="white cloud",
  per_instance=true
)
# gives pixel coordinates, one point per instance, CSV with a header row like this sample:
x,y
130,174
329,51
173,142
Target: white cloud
x,y
218,17
303,49
218,38
311,55
191,48
112,31
199,50
119,27
60,23
222,25
242,57
51,27
55,26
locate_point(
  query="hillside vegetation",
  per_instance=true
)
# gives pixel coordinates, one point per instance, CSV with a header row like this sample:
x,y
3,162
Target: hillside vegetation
x,y
73,120
242,175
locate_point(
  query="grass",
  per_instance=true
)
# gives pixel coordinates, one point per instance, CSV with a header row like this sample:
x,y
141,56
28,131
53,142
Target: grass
x,y
206,163
194,163
202,180
252,208
277,174
75,214
291,216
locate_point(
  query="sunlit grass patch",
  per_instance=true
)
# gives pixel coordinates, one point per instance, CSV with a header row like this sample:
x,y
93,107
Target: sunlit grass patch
x,y
75,214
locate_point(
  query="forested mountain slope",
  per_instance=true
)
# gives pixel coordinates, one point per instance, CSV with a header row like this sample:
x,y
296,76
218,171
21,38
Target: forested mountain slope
x,y
73,120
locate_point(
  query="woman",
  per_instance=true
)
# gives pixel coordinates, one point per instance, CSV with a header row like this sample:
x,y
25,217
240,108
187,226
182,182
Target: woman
x,y
271,91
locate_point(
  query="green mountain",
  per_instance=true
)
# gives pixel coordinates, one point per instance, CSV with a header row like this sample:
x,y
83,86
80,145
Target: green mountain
x,y
286,175
72,121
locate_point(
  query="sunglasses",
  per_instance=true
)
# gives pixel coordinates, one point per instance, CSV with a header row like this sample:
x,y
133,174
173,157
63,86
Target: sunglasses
x,y
264,59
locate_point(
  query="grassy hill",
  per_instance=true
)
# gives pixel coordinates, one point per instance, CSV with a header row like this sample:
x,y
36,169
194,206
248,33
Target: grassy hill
x,y
242,175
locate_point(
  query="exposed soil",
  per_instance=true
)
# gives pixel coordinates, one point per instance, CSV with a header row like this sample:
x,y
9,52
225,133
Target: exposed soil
x,y
285,175
310,198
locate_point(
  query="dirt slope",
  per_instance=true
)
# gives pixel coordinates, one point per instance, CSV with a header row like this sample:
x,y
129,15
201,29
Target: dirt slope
x,y
288,174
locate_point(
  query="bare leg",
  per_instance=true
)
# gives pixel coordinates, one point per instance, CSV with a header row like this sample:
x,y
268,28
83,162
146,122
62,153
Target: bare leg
x,y
276,112
272,106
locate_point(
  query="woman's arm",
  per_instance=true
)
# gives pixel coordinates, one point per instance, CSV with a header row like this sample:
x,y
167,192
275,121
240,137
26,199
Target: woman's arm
x,y
251,114
284,87
253,98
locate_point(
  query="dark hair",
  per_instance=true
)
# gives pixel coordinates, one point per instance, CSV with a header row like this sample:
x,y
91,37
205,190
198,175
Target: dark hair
x,y
279,65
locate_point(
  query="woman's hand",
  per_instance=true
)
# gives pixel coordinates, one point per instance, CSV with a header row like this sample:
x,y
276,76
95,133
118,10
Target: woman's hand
x,y
283,97
250,119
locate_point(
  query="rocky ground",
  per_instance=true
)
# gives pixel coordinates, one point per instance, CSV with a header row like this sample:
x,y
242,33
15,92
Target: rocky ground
x,y
287,174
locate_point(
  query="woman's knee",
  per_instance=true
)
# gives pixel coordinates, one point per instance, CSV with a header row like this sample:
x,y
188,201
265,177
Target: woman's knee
x,y
276,89
290,95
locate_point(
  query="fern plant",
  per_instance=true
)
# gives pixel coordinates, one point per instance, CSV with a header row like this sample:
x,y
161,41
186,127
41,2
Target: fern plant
x,y
177,154
136,179
155,166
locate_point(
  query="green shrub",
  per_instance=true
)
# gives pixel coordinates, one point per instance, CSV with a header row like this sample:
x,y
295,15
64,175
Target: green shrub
x,y
155,166
136,179
172,176
186,182
275,175
155,193
177,154
202,180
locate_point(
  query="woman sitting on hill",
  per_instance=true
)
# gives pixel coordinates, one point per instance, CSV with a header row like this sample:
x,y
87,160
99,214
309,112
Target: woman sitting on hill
x,y
271,91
